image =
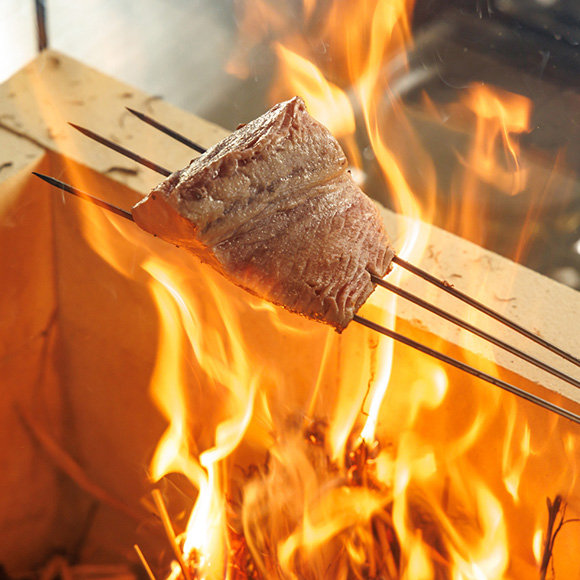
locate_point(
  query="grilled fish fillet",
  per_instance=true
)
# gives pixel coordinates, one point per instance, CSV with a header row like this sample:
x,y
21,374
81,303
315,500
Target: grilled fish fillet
x,y
275,210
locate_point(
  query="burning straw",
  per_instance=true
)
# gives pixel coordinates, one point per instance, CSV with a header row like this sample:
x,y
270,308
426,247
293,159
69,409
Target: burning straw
x,y
556,521
304,515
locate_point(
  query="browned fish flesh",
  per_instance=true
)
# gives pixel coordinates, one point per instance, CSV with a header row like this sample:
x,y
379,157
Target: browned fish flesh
x,y
275,210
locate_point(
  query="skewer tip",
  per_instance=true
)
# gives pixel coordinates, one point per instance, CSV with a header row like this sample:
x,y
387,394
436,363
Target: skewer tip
x,y
48,179
94,200
88,133
79,128
122,150
168,131
136,113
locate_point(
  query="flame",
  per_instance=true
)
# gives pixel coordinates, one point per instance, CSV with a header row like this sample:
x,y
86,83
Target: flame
x,y
204,533
378,460
492,123
500,116
325,101
313,511
515,457
538,542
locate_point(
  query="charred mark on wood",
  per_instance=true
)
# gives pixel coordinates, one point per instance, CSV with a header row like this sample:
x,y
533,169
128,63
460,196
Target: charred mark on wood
x,y
431,254
54,61
16,123
6,165
487,262
499,299
121,121
122,170
150,100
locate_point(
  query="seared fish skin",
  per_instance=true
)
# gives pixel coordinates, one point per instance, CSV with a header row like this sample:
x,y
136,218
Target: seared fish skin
x,y
274,209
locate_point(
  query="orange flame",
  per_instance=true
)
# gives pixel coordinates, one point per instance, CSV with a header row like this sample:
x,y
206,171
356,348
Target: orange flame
x,y
499,116
325,101
204,535
453,473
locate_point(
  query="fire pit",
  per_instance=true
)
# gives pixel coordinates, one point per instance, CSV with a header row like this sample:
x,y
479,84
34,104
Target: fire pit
x,y
126,366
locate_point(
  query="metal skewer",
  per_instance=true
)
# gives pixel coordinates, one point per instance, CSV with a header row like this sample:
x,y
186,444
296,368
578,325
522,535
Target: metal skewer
x,y
359,319
376,280
441,284
474,330
468,369
164,129
446,287
94,200
119,149
400,262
